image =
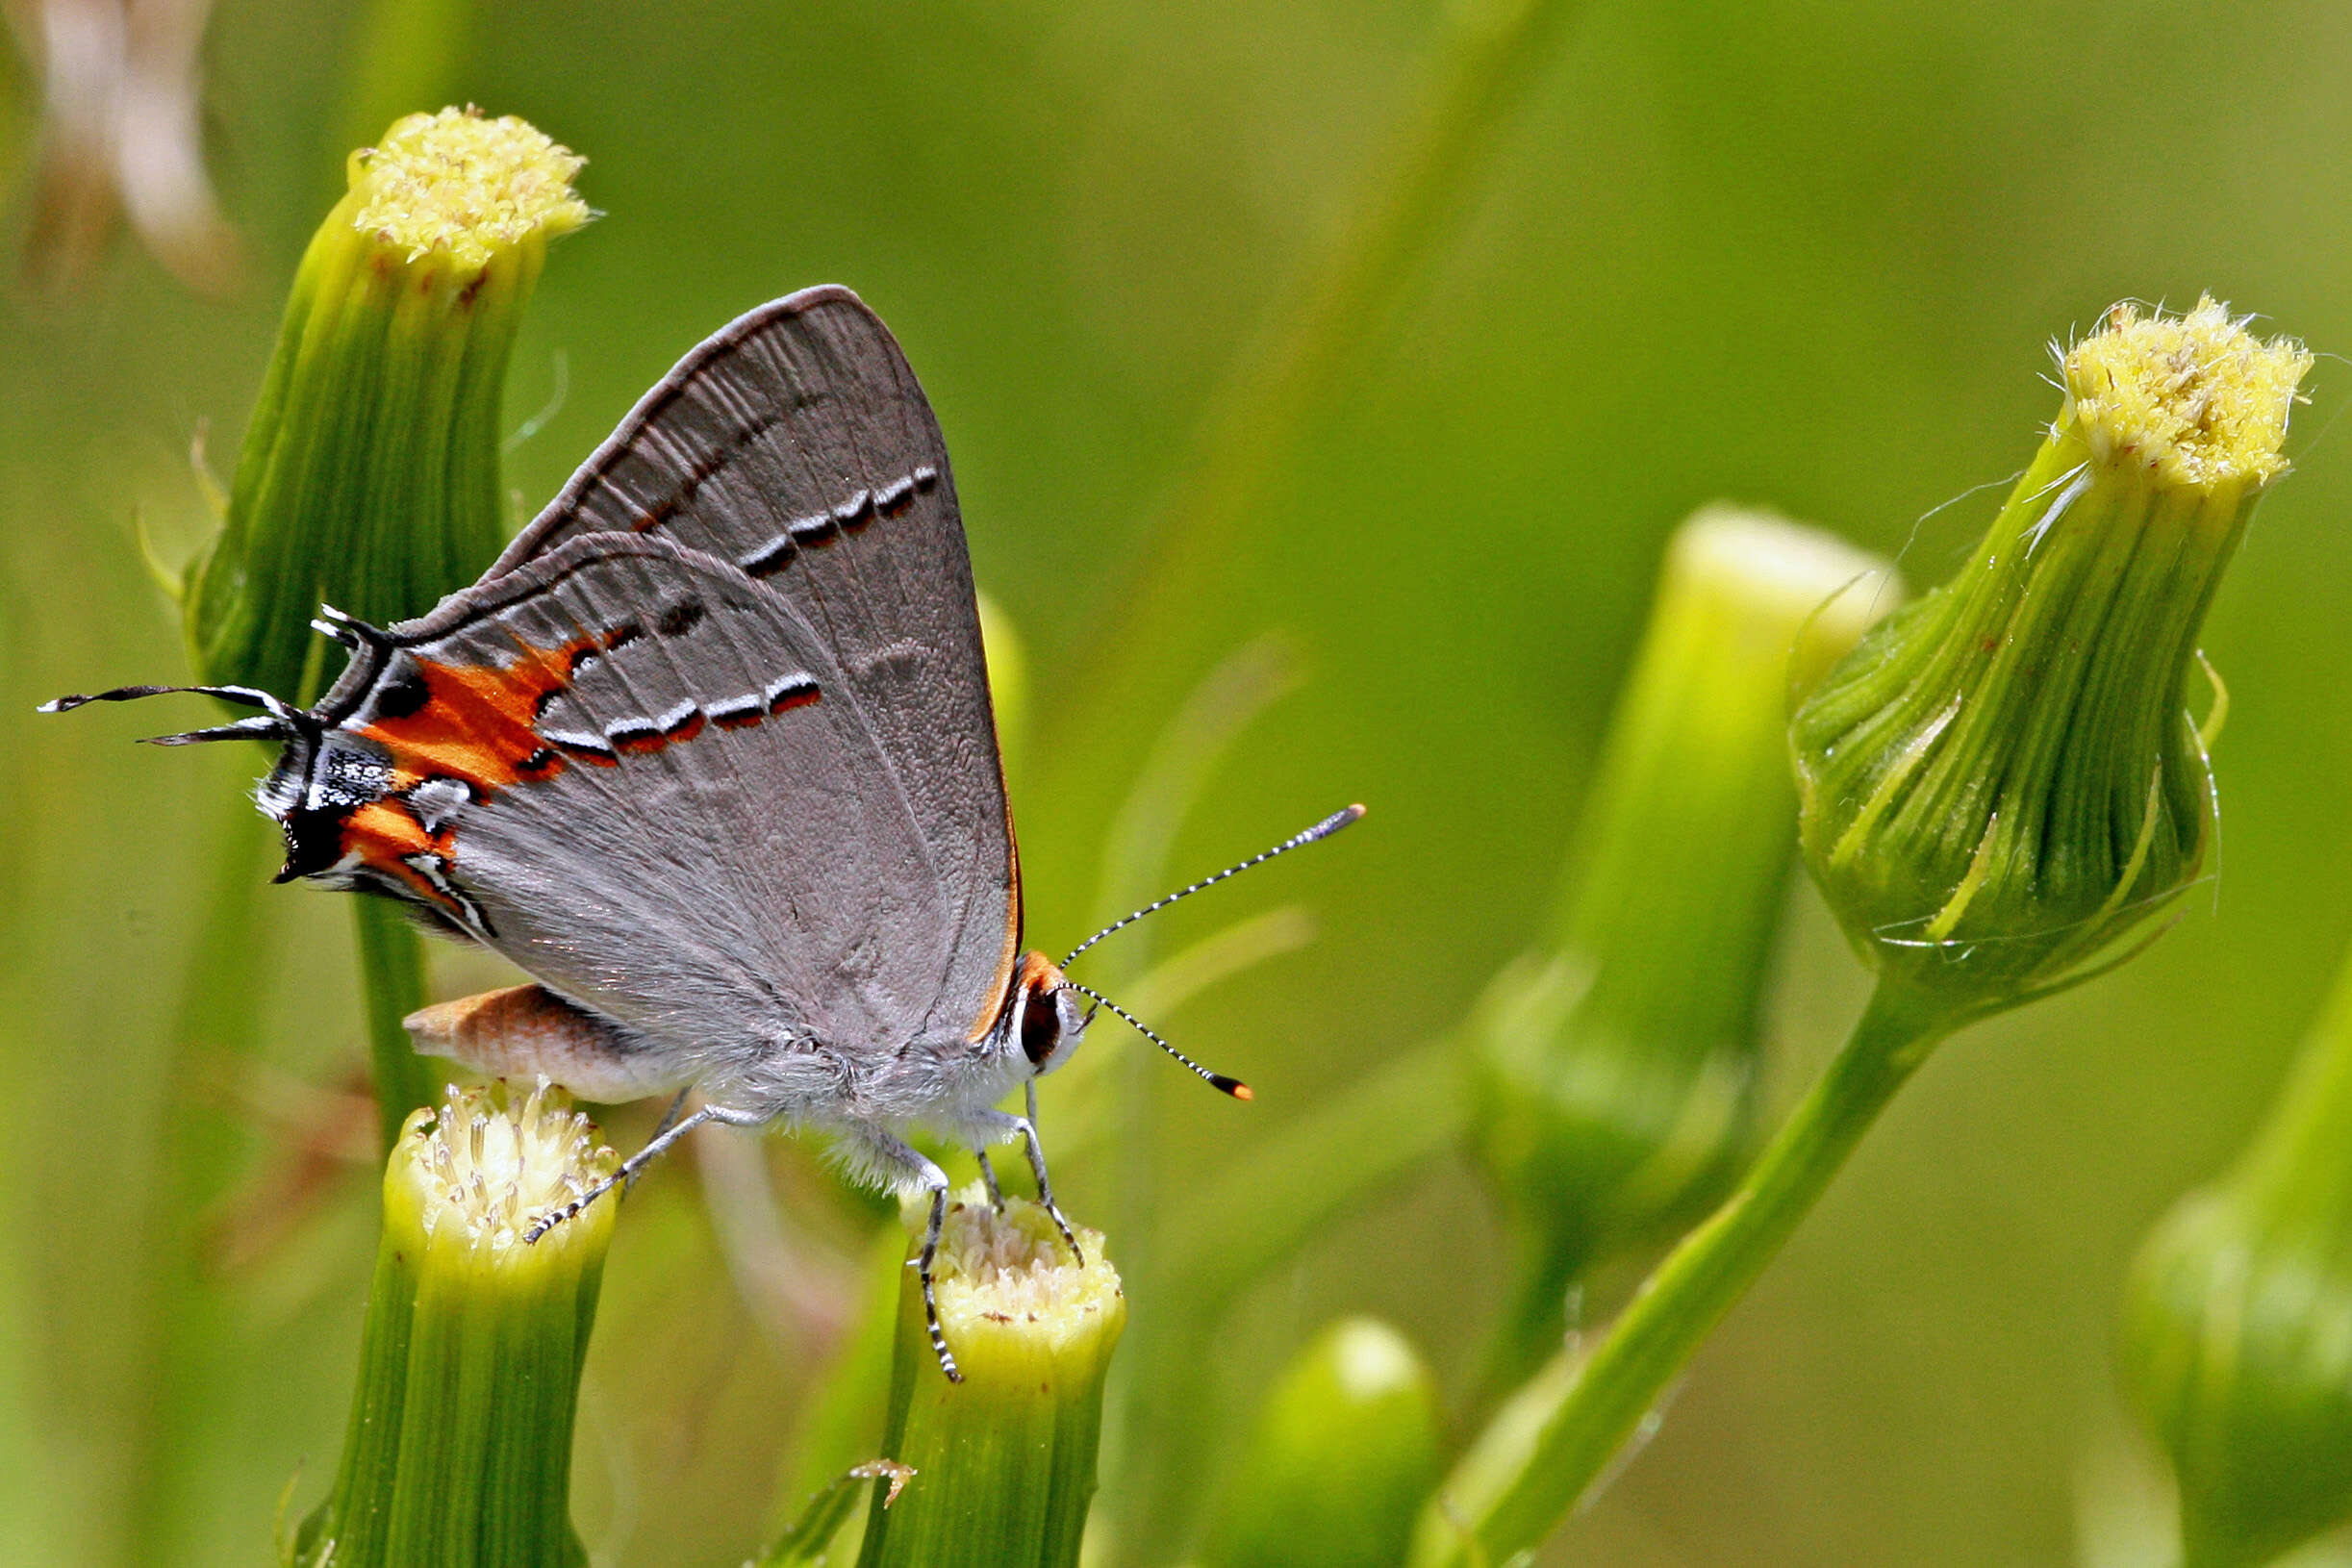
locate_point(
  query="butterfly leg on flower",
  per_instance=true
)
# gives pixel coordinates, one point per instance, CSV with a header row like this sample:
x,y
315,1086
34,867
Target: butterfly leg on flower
x,y
876,1157
655,1148
1025,1129
988,1179
669,1119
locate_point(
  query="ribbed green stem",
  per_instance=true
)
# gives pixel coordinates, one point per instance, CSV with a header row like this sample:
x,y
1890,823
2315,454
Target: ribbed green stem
x,y
1003,1462
458,1453
1514,1488
368,479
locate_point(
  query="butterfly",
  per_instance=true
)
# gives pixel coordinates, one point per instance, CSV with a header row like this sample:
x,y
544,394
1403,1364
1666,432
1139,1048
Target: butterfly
x,y
709,753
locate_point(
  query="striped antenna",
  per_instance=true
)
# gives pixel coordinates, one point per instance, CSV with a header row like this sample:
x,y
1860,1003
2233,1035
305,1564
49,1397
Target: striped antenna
x,y
1322,829
1215,1081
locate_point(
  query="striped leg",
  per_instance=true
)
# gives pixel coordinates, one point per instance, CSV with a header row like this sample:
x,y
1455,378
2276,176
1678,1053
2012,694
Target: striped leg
x,y
889,1156
1024,1129
637,1162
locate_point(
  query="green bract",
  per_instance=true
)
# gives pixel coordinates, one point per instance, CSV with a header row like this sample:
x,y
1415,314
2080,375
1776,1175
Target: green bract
x,y
460,1448
2003,778
370,474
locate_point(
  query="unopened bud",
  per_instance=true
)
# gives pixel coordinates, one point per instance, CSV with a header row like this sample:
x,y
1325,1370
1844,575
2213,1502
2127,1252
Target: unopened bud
x,y
2003,780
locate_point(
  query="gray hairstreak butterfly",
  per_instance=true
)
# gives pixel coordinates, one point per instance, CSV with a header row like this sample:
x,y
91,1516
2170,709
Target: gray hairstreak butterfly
x,y
709,753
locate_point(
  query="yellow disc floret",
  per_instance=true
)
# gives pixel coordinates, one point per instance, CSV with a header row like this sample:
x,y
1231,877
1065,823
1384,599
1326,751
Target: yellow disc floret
x,y
1012,1276
2196,399
478,1170
463,183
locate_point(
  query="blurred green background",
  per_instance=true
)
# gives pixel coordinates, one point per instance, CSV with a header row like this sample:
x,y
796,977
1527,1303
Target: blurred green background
x,y
1803,254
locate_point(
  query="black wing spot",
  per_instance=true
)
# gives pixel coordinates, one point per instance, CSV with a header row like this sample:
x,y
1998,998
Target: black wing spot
x,y
738,712
402,696
634,735
680,617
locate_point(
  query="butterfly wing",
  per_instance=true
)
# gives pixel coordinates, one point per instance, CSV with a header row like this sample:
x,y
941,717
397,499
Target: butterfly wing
x,y
796,444
650,782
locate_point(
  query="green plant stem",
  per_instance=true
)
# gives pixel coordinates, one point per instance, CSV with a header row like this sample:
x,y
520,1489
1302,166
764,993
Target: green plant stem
x,y
1498,1511
392,986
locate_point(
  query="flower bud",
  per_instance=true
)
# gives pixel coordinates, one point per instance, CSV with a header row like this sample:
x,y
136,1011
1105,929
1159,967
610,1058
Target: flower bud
x,y
999,1468
2237,1325
1342,1458
460,1446
2003,779
1616,1068
370,473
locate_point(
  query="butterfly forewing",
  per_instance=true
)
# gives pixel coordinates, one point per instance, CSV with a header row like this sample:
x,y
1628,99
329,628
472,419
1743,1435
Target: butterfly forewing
x,y
796,446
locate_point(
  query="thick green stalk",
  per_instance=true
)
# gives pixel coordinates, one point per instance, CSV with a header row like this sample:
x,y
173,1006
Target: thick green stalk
x,y
370,474
1616,1067
1515,1487
458,1453
1003,1463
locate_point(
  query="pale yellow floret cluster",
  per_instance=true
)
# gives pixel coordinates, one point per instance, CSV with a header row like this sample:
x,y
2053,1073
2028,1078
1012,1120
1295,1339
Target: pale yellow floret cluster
x,y
479,1169
1015,1272
2196,399
464,184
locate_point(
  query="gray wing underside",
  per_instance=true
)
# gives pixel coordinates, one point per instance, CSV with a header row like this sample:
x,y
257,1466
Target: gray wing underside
x,y
796,444
725,886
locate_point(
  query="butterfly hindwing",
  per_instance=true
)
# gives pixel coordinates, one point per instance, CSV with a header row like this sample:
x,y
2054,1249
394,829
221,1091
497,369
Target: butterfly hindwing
x,y
796,445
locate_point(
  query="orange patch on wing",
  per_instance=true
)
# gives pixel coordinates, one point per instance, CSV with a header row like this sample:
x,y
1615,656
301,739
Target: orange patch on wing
x,y
479,723
384,834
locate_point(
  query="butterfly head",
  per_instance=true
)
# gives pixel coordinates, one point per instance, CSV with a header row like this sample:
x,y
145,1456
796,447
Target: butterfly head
x,y
1049,1020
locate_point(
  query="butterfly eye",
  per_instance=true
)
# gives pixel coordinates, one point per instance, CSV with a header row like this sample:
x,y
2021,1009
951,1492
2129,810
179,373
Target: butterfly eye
x,y
1041,1026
